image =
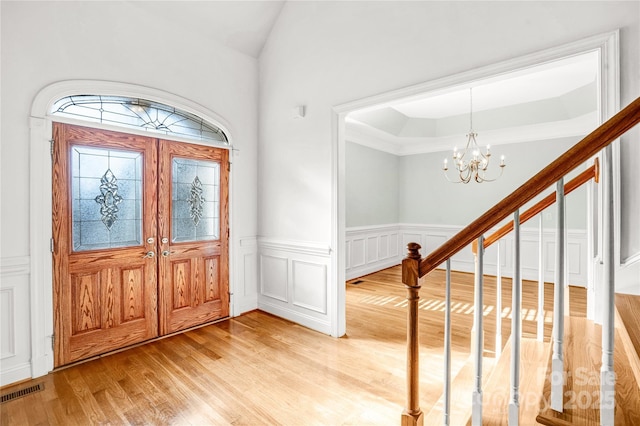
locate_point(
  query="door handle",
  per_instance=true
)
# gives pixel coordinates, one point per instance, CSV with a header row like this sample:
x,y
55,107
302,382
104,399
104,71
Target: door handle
x,y
166,253
150,254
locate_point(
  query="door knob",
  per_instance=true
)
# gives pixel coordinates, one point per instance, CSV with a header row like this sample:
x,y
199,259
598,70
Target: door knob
x,y
166,253
149,255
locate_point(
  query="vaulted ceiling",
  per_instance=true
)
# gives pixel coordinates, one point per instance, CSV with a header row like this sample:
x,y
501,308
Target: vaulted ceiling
x,y
557,99
240,25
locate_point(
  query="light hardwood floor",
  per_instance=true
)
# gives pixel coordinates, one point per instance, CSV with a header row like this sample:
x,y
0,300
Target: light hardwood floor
x,y
257,369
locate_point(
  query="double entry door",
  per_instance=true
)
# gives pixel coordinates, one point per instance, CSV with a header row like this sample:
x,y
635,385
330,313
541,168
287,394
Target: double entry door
x,y
140,239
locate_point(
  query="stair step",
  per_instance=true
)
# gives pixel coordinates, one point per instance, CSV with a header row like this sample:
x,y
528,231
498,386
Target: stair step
x,y
628,324
461,389
496,392
582,357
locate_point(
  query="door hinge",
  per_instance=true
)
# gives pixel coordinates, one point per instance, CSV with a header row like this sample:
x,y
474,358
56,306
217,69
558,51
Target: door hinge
x,y
51,245
52,142
53,342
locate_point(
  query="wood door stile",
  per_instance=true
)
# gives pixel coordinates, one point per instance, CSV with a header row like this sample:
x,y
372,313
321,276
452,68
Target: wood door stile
x,y
103,299
193,277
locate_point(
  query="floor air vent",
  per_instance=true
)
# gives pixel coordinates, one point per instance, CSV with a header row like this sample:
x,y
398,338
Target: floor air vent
x,y
22,392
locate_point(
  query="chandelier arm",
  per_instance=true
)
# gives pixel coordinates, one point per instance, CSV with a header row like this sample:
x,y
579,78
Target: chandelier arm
x,y
446,175
483,179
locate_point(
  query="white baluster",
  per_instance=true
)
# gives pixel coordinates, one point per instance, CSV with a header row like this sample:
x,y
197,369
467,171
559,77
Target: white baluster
x,y
447,346
607,375
498,305
540,333
516,326
478,343
557,359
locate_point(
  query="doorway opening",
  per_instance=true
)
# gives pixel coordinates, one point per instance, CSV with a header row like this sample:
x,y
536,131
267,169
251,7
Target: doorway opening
x,y
411,131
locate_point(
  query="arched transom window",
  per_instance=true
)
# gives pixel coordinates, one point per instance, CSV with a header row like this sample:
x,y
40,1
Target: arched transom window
x,y
139,114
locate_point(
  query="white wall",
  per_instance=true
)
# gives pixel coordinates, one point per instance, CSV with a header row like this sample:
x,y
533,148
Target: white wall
x,y
46,42
324,54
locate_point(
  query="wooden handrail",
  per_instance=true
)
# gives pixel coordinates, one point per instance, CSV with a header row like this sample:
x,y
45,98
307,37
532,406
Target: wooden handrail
x,y
578,154
592,172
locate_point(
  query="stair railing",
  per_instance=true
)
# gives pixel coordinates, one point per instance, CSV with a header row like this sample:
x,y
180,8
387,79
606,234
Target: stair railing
x,y
415,267
592,172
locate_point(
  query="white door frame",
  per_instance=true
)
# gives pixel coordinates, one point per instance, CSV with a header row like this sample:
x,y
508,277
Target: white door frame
x,y
40,186
606,44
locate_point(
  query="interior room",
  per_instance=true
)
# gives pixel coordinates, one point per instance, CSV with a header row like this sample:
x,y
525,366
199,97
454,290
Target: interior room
x,y
388,153
190,190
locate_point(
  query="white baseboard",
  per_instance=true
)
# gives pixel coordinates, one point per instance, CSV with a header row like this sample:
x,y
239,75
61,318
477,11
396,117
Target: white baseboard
x,y
322,326
15,374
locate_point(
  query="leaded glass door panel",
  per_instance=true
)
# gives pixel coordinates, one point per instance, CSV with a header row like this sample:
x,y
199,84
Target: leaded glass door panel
x,y
193,232
140,230
104,212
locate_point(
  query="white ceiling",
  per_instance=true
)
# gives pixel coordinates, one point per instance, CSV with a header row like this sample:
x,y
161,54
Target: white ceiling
x,y
240,25
551,100
542,82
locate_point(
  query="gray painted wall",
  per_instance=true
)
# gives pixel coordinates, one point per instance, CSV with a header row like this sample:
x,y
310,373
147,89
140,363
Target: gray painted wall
x,y
416,182
371,186
458,204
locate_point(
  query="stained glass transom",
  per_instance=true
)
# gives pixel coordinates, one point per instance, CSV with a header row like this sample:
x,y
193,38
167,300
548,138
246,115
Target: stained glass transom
x,y
140,114
195,212
106,195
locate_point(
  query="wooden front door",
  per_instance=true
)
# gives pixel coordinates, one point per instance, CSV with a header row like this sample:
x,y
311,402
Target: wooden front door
x,y
139,249
193,230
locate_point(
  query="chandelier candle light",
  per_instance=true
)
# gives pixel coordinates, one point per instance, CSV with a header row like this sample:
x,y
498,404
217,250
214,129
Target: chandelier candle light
x,y
472,163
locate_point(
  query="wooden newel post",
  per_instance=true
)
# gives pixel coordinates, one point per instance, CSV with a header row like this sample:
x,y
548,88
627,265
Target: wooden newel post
x,y
412,415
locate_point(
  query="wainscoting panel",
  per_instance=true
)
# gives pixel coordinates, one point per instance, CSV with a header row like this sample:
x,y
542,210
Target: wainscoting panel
x,y
358,252
309,285
245,288
15,344
273,277
431,237
294,280
370,249
7,323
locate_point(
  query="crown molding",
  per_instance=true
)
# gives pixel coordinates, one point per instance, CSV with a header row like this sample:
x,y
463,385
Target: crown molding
x,y
363,134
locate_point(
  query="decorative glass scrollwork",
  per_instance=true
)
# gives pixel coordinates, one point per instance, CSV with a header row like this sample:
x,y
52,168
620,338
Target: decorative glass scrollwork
x,y
108,198
140,114
196,201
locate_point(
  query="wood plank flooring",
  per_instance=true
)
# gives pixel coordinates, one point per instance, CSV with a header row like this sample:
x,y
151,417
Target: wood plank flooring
x,y
257,369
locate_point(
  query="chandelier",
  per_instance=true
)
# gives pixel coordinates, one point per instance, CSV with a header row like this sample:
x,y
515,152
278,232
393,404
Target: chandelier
x,y
472,163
